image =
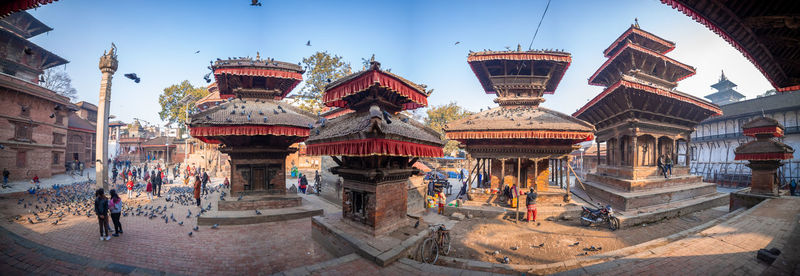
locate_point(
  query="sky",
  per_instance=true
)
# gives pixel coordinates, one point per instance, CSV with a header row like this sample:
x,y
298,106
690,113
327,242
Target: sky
x,y
157,40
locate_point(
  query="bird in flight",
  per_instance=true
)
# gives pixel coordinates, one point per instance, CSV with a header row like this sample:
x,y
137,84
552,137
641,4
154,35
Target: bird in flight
x,y
198,51
255,3
308,43
457,42
133,77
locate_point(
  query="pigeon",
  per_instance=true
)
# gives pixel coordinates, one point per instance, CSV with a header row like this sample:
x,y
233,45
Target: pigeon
x,y
30,221
514,248
592,248
576,243
540,245
281,108
180,223
255,3
198,51
133,77
308,43
215,226
52,115
240,197
196,228
190,234
275,112
506,260
258,212
386,116
416,224
457,42
207,78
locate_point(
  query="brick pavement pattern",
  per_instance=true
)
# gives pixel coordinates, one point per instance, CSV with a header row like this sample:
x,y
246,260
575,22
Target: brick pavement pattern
x,y
725,249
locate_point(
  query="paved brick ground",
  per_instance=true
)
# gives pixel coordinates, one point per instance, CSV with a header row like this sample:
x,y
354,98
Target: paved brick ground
x,y
726,249
152,244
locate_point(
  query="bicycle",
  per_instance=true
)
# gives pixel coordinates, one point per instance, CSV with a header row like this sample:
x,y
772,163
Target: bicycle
x,y
438,240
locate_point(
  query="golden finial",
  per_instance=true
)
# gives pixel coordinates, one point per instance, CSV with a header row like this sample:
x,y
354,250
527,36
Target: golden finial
x,y
636,22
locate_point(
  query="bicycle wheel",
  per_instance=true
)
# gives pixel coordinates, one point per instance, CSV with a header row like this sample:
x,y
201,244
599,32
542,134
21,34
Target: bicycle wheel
x,y
446,243
430,252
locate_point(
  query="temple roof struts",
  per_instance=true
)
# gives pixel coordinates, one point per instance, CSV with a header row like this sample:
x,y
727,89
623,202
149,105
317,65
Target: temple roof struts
x,y
532,70
262,78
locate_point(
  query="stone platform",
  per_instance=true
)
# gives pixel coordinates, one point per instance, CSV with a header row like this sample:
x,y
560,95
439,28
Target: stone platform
x,y
341,238
239,217
624,200
259,201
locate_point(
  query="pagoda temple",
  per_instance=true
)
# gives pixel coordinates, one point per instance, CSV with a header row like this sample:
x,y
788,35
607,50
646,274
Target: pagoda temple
x,y
764,154
254,128
375,146
516,142
725,93
641,118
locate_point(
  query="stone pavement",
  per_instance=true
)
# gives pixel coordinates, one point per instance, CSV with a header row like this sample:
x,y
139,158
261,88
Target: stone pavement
x,y
153,244
45,183
725,249
354,265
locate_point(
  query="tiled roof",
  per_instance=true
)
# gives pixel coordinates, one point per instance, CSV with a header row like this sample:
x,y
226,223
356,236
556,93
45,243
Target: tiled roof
x,y
79,123
357,125
235,112
520,118
756,106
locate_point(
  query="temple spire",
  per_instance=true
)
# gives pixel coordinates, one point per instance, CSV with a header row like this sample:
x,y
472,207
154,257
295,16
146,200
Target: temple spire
x,y
636,22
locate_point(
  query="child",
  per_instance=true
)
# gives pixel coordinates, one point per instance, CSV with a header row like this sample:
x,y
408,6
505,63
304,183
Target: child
x,y
226,183
115,207
149,190
130,188
442,200
101,209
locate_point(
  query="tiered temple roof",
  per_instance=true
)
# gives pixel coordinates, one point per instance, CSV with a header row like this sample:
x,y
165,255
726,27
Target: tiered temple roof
x,y
640,89
376,127
253,89
519,78
764,147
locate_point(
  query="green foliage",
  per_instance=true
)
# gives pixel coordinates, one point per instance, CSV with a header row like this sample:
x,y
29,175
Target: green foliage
x,y
172,110
440,115
322,68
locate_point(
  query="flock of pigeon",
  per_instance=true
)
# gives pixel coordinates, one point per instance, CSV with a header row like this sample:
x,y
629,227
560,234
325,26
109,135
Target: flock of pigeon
x,y
55,204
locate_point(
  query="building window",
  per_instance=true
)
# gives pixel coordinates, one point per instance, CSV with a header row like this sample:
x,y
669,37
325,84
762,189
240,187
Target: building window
x,y
25,111
22,159
59,118
58,139
56,158
23,132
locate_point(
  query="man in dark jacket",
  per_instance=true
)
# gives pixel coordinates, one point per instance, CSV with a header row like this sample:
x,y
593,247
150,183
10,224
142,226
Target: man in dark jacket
x,y
530,201
156,183
101,209
205,182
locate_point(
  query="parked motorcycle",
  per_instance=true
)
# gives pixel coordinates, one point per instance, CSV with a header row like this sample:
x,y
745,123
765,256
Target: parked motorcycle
x,y
598,216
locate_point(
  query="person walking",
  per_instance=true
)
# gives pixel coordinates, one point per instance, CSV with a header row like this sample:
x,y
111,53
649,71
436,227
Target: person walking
x,y
114,173
130,188
149,189
101,209
530,202
317,182
197,187
80,167
205,182
6,174
339,183
226,183
115,207
441,200
156,184
792,187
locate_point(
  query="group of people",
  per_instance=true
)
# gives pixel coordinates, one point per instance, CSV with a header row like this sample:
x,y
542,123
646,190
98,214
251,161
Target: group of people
x,y
103,206
302,183
153,179
665,165
75,167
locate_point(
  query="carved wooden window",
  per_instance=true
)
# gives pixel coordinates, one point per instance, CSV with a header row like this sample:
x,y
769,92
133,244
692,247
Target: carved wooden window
x,y
56,158
25,111
58,139
23,132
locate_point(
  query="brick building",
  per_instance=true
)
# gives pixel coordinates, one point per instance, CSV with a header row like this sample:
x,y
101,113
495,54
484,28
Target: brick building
x,y
33,120
81,135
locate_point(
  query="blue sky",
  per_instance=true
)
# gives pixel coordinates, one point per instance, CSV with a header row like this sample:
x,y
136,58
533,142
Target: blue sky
x,y
416,39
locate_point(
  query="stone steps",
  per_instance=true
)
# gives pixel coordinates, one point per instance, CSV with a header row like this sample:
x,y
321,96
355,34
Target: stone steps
x,y
267,215
623,200
643,184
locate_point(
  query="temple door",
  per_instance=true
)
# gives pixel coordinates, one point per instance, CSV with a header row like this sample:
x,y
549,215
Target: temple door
x,y
259,178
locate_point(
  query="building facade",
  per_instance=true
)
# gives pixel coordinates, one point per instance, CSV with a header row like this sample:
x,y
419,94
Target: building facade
x,y
33,120
713,141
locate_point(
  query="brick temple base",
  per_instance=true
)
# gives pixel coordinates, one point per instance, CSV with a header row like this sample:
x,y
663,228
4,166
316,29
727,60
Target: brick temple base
x,y
379,208
259,173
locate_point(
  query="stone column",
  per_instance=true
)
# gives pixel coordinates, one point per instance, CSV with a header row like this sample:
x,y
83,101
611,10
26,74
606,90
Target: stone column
x,y
108,66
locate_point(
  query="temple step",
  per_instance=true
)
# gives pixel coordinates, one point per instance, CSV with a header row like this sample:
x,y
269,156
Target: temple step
x,y
623,200
643,184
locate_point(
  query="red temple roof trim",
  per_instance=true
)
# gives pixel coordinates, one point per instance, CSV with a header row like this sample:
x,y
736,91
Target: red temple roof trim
x,y
678,96
669,44
245,130
764,156
484,56
518,134
375,146
334,96
21,5
727,37
773,130
644,50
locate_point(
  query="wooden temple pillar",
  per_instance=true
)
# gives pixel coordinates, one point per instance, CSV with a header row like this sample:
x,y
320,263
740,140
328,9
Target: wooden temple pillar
x,y
688,151
561,173
567,197
634,151
502,174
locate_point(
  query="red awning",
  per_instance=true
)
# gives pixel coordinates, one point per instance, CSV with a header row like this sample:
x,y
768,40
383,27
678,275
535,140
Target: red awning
x,y
513,134
199,132
334,96
375,146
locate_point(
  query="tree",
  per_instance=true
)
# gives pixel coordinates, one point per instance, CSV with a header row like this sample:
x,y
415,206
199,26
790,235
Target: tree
x,y
59,81
439,116
172,110
321,69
